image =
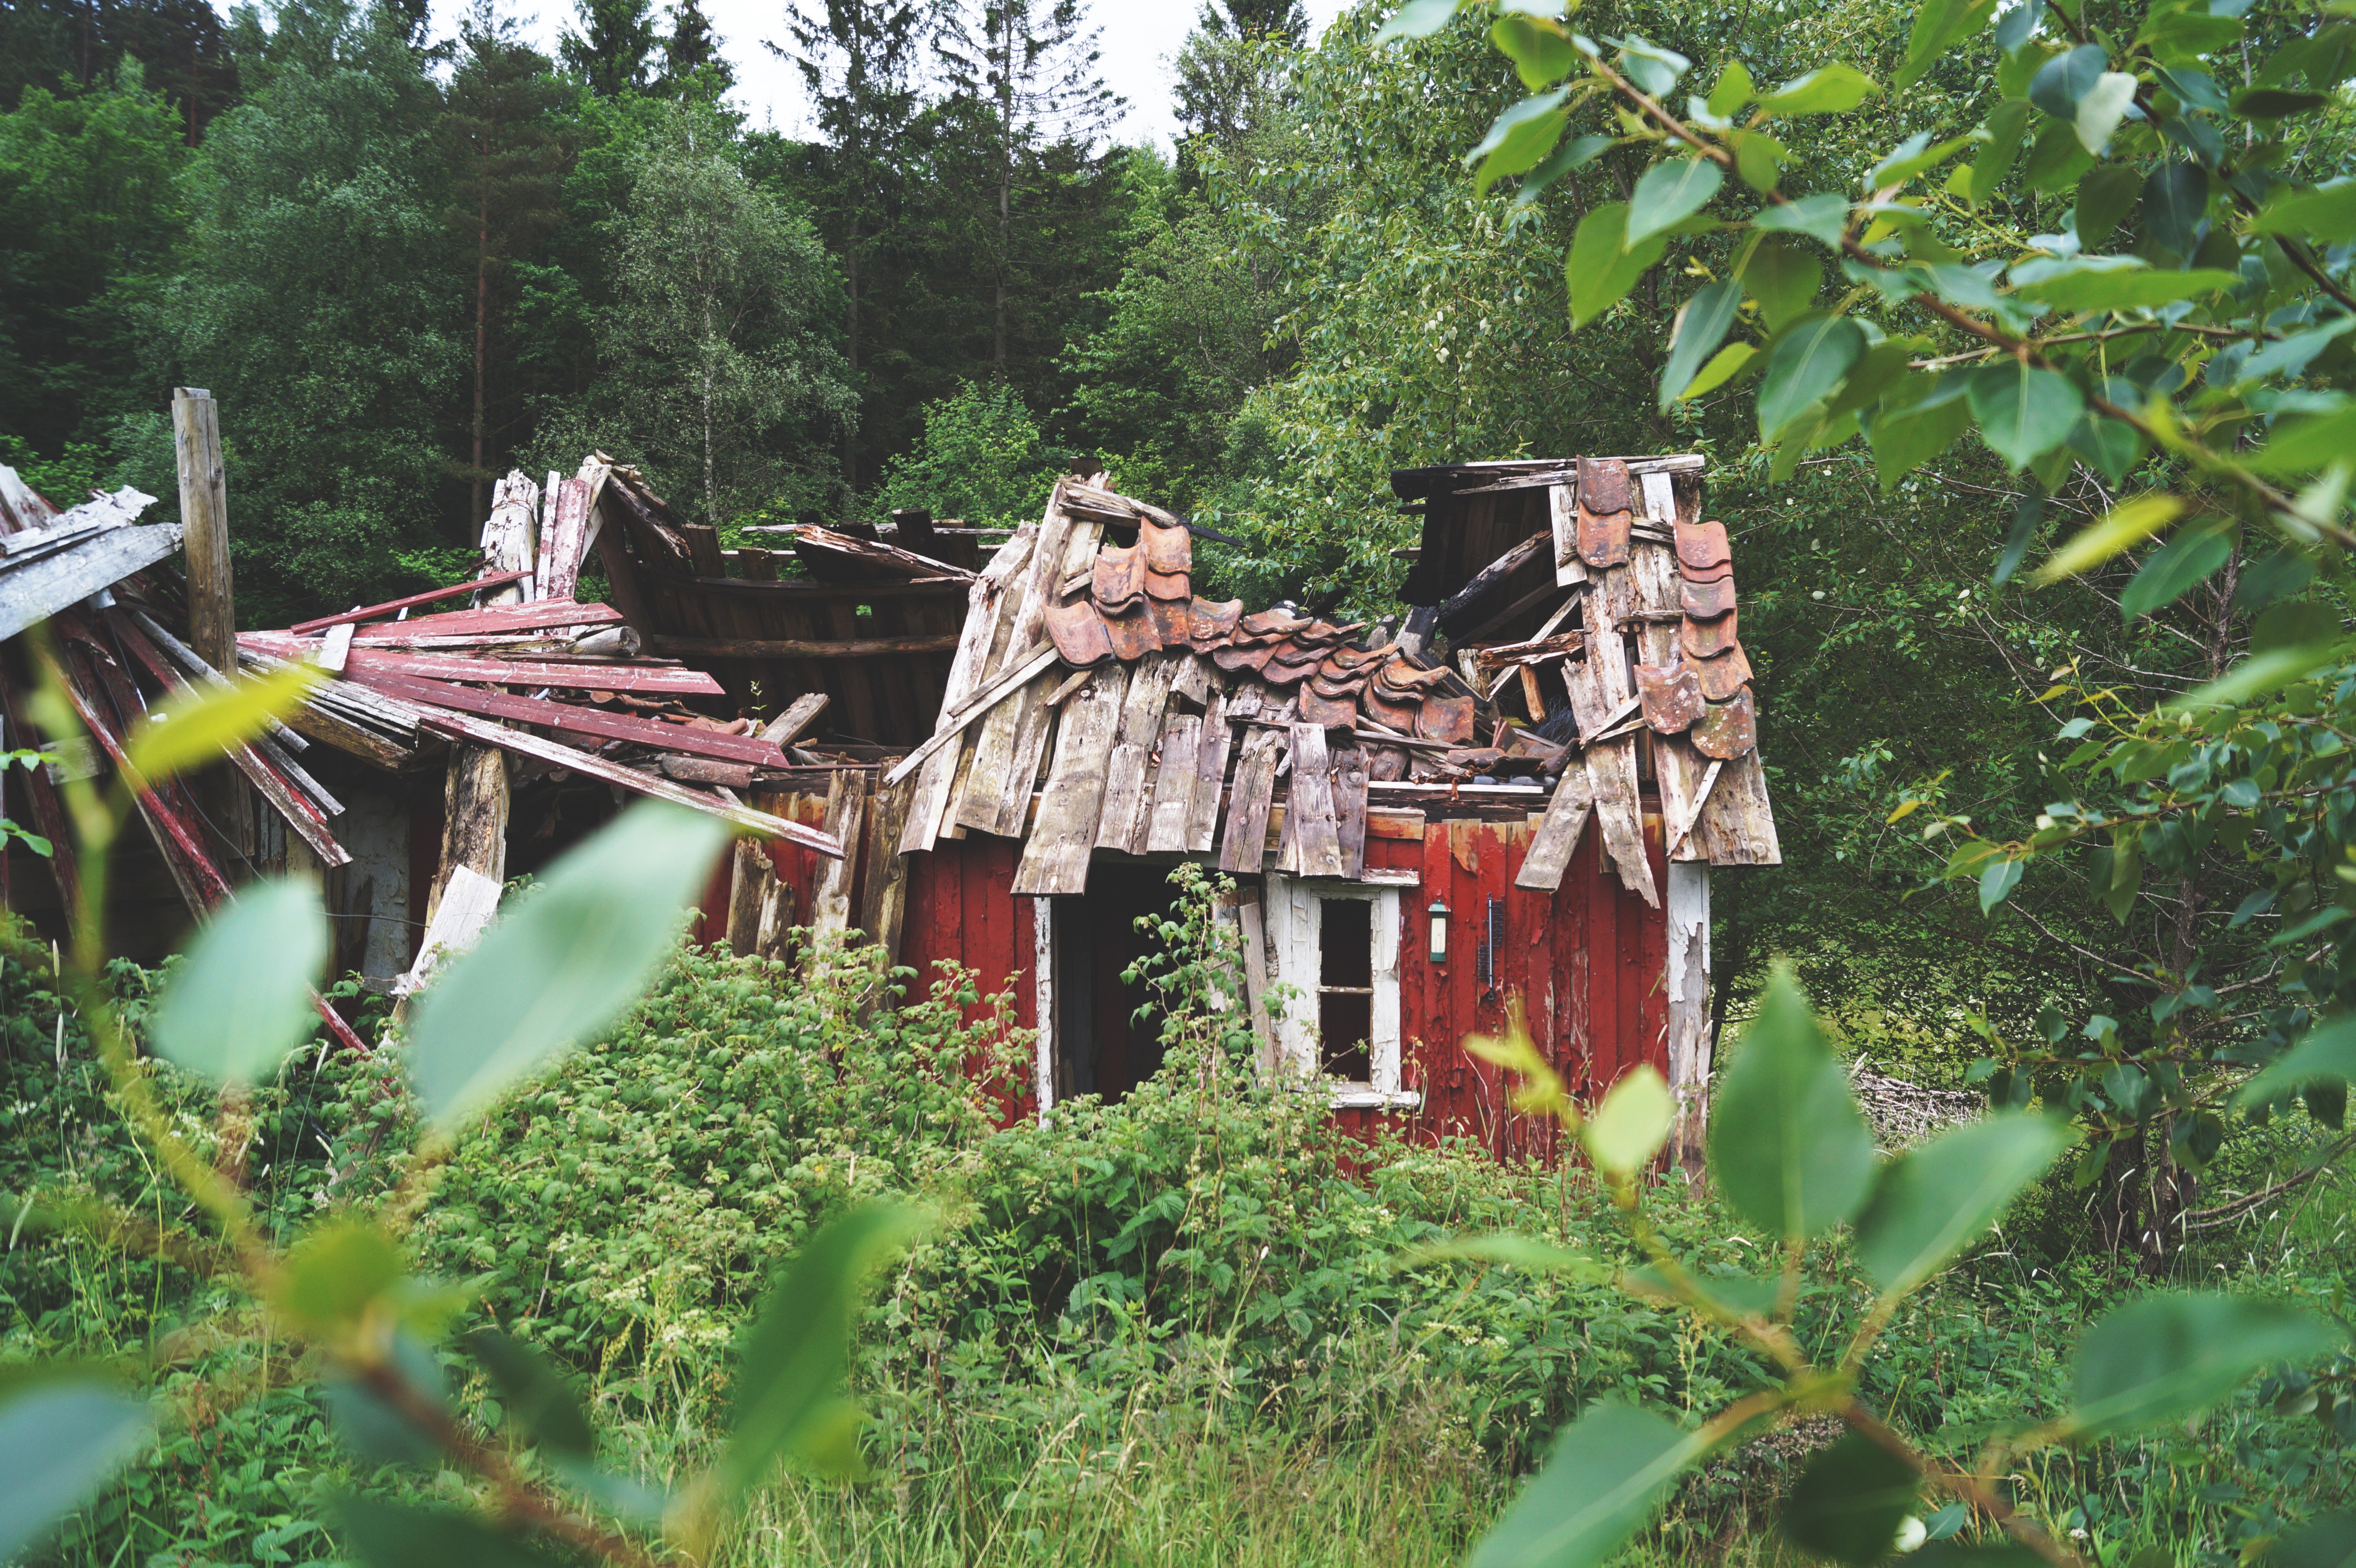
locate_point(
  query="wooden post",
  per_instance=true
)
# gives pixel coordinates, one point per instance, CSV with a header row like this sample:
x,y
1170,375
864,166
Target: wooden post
x,y
474,817
204,512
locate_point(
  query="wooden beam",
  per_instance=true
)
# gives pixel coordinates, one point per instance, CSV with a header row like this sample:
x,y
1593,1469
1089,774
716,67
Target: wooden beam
x,y
794,721
859,649
1015,673
578,718
524,743
392,607
669,682
204,515
37,589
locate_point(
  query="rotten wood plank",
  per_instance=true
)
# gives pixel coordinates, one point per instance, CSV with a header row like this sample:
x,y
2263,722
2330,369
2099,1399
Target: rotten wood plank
x,y
1210,770
1350,809
1253,797
1312,828
883,910
1128,803
392,607
505,672
1557,840
486,622
797,649
564,541
846,805
796,721
1056,856
580,718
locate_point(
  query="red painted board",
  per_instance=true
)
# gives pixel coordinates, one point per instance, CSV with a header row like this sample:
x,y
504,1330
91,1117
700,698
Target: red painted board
x,y
577,718
394,607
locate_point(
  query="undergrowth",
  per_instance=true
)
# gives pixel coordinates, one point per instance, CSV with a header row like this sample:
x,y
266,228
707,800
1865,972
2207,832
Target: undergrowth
x,y
1191,1326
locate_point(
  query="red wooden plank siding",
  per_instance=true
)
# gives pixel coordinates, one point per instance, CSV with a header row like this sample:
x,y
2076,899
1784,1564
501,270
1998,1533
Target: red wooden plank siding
x,y
961,907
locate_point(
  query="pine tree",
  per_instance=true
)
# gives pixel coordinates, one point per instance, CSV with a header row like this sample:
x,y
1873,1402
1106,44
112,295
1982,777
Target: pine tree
x,y
1027,73
1287,20
859,60
614,50
507,165
692,64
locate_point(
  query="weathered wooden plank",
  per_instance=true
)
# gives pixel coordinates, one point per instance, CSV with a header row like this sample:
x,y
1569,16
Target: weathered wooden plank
x,y
510,540
1174,785
496,621
1686,981
580,718
1056,856
204,515
392,607
985,610
846,808
34,591
803,648
1563,511
1737,818
1311,827
1128,802
463,908
1245,843
751,881
982,701
502,672
1253,927
524,743
1557,840
1350,810
1035,725
474,805
1210,773
884,901
795,723
998,804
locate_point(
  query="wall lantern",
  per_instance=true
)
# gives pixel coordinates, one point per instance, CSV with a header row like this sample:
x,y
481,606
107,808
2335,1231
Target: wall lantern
x,y
1439,912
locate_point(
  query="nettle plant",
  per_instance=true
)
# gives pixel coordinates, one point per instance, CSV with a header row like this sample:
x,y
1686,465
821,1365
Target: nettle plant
x,y
1790,1152
566,959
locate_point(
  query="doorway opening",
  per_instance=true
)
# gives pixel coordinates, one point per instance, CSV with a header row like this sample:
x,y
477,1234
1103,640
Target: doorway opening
x,y
1102,1044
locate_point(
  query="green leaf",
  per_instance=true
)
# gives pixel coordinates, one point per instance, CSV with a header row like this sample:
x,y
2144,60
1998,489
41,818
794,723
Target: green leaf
x,y
2327,213
2180,34
1938,24
2329,1541
1805,367
1914,156
800,1346
60,1436
1827,90
1517,1251
1669,193
333,1272
2129,523
1734,89
401,1535
242,1000
1700,328
1417,19
1940,1197
1724,366
1519,138
569,957
2056,158
2276,103
2063,81
2327,1053
1629,1127
2169,1355
2174,200
535,1394
2294,625
2304,445
1540,50
1849,1501
1998,877
1820,218
194,728
1788,1145
1784,279
1758,159
2176,567
1577,153
1600,272
2106,194
2123,288
1905,434
2259,673
2023,412
1599,1484
2100,111
2006,124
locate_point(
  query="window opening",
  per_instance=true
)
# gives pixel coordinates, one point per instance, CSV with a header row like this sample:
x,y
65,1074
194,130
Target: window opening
x,y
1345,986
1492,942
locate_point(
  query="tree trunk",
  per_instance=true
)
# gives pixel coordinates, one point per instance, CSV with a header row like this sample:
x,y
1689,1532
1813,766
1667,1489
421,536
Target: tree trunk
x,y
482,329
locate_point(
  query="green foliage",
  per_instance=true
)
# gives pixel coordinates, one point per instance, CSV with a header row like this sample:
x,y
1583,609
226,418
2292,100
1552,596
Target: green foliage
x,y
979,459
1791,1150
243,1001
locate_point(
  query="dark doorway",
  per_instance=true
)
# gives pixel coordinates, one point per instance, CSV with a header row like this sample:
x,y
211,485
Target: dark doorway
x,y
1101,1045
1345,986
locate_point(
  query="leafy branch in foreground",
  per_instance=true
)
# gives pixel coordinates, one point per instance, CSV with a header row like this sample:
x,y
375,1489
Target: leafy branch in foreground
x,y
569,957
1790,1152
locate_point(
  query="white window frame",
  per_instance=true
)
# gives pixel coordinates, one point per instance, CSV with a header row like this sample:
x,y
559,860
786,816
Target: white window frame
x,y
1295,920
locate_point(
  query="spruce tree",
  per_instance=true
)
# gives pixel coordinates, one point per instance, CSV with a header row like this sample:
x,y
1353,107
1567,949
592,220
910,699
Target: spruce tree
x,y
615,48
692,64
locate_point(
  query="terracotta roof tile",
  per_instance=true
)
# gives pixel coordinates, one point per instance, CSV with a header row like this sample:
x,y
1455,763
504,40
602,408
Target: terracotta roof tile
x,y
1731,728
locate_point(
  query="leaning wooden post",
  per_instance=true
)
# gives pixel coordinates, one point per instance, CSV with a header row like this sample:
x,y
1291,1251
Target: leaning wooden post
x,y
212,607
474,817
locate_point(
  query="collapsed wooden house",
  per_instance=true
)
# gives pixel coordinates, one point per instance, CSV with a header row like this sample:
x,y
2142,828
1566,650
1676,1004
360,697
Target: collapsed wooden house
x,y
998,764
1407,832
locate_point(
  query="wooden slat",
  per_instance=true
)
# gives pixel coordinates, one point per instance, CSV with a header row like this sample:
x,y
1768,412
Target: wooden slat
x,y
1128,802
392,606
796,721
1558,832
505,672
1248,807
1210,772
1737,818
1311,826
1562,510
524,743
981,702
805,648
883,903
846,807
995,802
1612,766
564,541
493,621
1174,785
1056,856
1253,927
985,604
1350,809
38,589
580,718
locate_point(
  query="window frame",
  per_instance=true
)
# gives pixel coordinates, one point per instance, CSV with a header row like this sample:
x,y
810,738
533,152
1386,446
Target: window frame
x,y
1295,922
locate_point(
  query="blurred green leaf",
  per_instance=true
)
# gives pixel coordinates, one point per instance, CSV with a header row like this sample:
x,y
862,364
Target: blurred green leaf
x,y
534,1393
401,1535
1849,1501
1515,1251
1827,90
566,959
2130,523
1519,138
2168,1356
61,1434
2122,288
1734,89
379,1432
2327,213
1998,877
1804,367
1417,19
1629,1127
2175,196
2328,1051
1788,1145
2304,445
2177,567
241,1000
2106,194
1820,218
1669,192
1724,366
332,1274
1700,325
789,1387
1783,278
2326,1541
1599,1486
1940,1197
1600,271
1540,51
1938,24
1906,434
2276,103
194,728
2258,673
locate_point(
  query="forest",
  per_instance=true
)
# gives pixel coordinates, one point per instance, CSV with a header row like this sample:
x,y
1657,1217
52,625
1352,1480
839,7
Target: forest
x,y
2015,336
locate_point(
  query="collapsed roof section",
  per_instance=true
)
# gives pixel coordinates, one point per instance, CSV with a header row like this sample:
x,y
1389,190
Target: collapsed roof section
x,y
1593,669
